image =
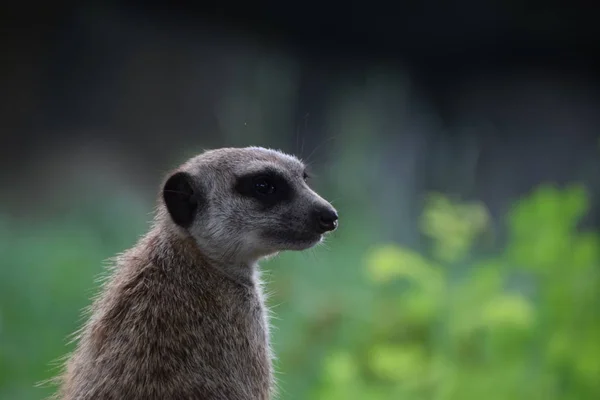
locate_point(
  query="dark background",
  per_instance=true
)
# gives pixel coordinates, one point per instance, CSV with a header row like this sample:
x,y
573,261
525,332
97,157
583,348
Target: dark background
x,y
518,79
388,102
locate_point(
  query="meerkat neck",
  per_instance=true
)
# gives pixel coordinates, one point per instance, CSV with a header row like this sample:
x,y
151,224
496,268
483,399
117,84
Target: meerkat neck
x,y
182,250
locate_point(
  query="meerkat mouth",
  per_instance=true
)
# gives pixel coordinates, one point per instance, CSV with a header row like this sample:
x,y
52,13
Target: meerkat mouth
x,y
303,237
306,240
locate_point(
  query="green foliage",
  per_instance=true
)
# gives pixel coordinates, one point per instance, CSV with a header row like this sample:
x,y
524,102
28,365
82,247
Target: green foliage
x,y
522,325
452,226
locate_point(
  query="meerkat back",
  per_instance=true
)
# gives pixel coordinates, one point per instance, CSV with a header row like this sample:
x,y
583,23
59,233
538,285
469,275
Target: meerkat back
x,y
182,314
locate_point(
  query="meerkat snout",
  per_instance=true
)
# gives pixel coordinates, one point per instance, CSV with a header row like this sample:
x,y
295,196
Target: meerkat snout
x,y
326,218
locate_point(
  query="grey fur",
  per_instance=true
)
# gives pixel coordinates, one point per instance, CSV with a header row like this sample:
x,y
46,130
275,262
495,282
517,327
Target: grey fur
x,y
182,315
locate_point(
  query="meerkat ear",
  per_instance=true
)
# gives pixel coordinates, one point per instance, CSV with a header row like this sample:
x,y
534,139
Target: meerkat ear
x,y
181,199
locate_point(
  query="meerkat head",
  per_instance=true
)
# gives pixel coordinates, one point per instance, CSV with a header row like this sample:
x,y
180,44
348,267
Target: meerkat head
x,y
247,203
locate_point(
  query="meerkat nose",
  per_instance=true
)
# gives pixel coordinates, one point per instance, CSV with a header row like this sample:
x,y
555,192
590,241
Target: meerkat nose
x,y
327,219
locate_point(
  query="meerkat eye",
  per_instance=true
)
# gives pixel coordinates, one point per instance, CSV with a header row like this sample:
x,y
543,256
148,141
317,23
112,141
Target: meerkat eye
x,y
268,187
264,186
305,176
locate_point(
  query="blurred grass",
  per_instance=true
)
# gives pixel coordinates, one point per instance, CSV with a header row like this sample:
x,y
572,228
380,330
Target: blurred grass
x,y
354,318
47,278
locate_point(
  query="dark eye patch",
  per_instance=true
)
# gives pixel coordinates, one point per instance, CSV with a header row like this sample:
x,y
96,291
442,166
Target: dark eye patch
x,y
268,187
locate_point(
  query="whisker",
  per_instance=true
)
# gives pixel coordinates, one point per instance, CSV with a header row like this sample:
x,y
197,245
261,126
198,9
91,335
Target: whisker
x,y
320,145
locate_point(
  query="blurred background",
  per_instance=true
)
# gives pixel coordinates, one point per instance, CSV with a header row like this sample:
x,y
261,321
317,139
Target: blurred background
x,y
458,140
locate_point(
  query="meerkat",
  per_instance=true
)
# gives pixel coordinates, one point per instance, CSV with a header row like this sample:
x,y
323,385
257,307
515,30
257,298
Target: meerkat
x,y
182,314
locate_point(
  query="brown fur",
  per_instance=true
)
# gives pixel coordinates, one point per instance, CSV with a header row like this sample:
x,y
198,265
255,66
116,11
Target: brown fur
x,y
172,321
164,317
